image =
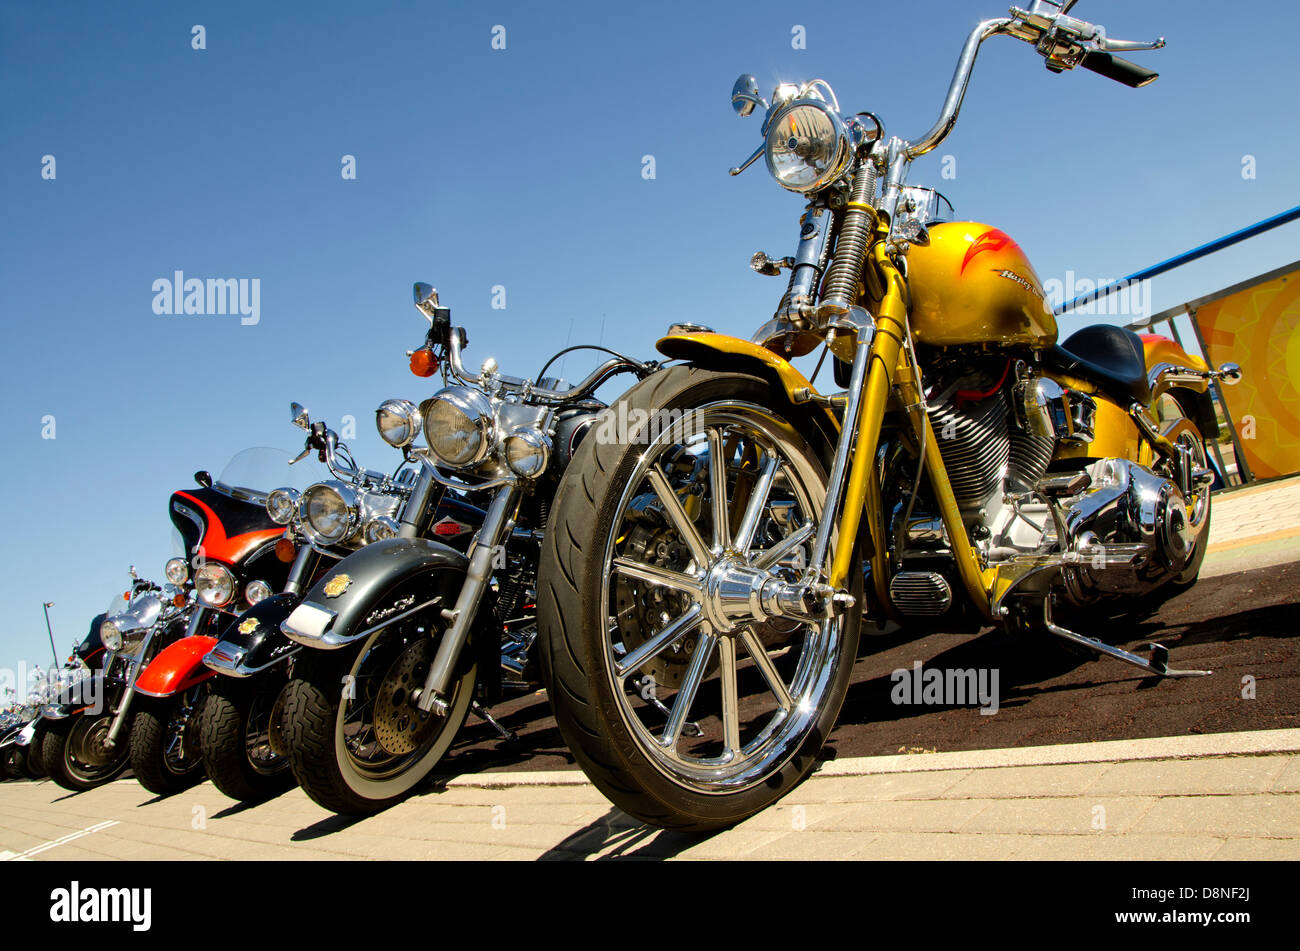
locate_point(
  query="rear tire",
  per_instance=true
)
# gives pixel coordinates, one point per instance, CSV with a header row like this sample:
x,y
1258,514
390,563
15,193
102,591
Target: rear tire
x,y
232,766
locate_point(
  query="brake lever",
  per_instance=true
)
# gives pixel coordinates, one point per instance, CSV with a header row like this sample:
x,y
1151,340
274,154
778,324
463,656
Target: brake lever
x,y
1107,45
749,161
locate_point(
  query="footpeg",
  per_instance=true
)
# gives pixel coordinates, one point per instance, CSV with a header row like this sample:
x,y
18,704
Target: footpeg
x,y
1158,664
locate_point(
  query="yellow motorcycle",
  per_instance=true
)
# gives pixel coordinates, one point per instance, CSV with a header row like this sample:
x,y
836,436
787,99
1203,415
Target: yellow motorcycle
x,y
713,551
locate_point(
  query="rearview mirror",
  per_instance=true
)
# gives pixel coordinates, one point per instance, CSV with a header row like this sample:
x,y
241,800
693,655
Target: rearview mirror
x,y
298,414
744,95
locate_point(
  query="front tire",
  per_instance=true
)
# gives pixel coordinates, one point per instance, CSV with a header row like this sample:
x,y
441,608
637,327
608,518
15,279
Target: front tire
x,y
343,706
164,742
15,764
75,756
236,740
35,755
625,607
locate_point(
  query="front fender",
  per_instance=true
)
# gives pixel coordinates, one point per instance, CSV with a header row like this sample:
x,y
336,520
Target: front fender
x,y
254,642
337,610
178,667
722,352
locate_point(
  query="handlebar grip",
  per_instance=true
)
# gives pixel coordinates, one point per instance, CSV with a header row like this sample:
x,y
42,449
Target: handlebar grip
x,y
1120,70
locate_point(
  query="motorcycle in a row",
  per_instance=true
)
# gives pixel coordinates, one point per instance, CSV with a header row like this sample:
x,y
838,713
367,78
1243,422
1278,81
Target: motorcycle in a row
x,y
686,570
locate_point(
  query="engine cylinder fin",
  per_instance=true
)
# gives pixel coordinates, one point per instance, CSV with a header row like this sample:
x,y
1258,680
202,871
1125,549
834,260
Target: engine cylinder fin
x,y
975,446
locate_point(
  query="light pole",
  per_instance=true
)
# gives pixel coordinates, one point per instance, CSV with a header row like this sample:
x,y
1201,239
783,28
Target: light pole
x,y
53,650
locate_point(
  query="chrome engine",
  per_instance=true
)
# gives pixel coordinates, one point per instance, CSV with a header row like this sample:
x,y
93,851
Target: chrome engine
x,y
1113,527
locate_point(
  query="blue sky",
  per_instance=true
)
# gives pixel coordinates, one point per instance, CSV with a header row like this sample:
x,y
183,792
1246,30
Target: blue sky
x,y
521,168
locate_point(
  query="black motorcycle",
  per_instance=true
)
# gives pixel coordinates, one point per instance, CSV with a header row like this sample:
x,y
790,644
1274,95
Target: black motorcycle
x,y
409,633
243,743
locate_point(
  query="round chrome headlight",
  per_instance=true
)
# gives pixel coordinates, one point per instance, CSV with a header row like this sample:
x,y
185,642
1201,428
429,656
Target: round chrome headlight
x,y
215,585
328,511
110,635
177,571
257,591
398,422
282,505
807,146
379,528
458,425
526,452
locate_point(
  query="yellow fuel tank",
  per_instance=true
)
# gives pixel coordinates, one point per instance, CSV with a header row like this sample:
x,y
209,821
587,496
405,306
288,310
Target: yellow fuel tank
x,y
973,285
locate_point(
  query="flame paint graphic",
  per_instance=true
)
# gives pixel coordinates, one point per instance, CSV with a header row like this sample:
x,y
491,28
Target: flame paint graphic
x,y
992,240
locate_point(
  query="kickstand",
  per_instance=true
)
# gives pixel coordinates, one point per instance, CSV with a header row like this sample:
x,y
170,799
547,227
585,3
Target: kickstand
x,y
1158,664
510,736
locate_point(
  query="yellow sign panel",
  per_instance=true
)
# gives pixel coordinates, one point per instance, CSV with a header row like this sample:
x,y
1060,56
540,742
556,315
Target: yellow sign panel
x,y
1259,328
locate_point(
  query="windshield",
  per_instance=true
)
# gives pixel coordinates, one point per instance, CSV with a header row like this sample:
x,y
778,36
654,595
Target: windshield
x,y
252,473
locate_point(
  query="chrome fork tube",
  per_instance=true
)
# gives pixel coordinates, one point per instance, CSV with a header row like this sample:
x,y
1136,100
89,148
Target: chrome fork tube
x,y
423,497
477,576
124,706
843,450
298,571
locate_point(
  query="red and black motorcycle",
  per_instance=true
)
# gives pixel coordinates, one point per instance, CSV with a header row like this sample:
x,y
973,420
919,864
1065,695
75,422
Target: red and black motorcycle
x,y
230,541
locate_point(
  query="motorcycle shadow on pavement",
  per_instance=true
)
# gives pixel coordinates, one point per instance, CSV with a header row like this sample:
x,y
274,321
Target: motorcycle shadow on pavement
x,y
621,838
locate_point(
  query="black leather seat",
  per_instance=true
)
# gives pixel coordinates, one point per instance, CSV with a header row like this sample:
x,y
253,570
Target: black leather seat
x,y
1112,357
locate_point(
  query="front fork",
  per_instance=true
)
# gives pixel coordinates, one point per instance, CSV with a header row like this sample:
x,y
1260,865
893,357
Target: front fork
x,y
876,368
136,668
478,575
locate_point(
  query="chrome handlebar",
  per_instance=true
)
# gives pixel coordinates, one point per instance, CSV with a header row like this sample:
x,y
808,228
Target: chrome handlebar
x,y
526,388
1063,41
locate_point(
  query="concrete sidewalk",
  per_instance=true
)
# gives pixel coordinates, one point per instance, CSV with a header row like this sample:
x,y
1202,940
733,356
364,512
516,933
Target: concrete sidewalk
x,y
1253,527
1226,796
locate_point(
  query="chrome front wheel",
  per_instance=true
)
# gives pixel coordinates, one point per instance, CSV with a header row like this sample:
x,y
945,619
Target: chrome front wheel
x,y
716,684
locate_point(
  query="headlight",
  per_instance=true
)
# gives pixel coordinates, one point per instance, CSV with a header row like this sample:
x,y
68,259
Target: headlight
x,y
526,452
398,422
111,636
177,571
329,512
282,505
807,146
458,425
257,591
377,529
215,585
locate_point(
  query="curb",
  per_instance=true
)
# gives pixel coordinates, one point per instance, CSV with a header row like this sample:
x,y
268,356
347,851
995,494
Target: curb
x,y
1247,743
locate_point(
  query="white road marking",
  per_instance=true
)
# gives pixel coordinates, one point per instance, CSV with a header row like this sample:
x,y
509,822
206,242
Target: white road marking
x,y
38,849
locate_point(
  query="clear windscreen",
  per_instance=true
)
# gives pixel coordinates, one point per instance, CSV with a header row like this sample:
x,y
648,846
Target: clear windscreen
x,y
254,472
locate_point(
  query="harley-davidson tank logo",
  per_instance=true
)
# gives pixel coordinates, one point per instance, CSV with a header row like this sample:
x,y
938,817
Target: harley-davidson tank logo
x,y
1023,282
248,626
991,240
337,585
400,604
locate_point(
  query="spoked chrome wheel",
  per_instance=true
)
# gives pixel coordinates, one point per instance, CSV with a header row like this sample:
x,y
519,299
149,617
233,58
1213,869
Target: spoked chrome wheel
x,y
694,671
716,680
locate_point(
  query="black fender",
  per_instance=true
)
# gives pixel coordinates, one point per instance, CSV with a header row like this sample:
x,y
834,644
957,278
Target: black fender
x,y
341,607
254,642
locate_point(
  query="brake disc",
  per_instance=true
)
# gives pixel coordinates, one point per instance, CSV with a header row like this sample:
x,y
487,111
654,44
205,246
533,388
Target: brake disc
x,y
275,727
644,609
400,726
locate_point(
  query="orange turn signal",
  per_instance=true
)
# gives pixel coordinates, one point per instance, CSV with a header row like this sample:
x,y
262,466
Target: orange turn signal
x,y
285,551
423,362
179,599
